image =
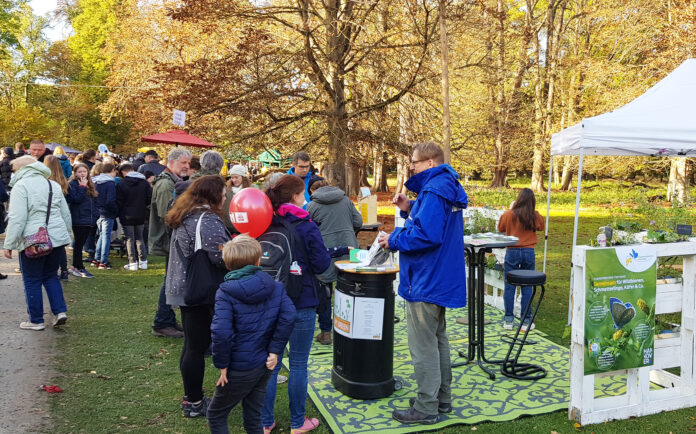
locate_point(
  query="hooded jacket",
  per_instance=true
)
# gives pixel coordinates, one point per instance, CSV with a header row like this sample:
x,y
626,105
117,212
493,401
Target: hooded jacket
x,y
319,259
337,218
133,196
162,194
253,317
6,171
431,243
65,165
183,242
28,206
83,207
106,200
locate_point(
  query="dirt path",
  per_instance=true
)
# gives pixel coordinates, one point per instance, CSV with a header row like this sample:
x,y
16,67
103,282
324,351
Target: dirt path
x,y
26,359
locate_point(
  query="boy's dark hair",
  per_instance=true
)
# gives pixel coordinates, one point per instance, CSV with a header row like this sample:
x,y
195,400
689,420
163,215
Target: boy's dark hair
x,y
241,251
316,185
195,163
300,155
89,154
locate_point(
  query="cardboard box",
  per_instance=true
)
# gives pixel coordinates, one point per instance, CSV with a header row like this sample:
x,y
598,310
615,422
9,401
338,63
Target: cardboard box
x,y
367,206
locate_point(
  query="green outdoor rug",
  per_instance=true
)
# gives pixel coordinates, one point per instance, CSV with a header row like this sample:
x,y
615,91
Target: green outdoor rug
x,y
475,398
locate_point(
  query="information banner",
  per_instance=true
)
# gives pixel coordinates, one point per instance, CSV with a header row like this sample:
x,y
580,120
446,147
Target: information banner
x,y
620,308
358,317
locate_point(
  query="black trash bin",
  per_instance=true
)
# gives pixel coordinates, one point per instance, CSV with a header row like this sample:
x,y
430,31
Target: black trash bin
x,y
363,368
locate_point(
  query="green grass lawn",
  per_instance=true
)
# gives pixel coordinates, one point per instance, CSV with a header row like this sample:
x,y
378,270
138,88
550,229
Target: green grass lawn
x,y
117,377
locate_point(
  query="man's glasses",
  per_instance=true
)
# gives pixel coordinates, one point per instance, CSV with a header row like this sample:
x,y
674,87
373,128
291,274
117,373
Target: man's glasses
x,y
413,162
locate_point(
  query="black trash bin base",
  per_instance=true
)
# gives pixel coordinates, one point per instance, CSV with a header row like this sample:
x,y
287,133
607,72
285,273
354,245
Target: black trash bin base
x,y
372,390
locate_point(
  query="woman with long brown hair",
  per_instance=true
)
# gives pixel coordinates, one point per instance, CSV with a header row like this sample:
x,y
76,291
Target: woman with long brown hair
x,y
83,209
522,221
287,197
57,175
199,207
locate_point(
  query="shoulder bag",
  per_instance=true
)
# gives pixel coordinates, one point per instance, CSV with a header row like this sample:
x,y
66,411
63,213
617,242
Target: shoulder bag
x,y
202,277
39,244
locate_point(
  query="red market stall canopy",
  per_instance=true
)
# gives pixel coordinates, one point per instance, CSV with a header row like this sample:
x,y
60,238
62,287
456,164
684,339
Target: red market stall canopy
x,y
178,137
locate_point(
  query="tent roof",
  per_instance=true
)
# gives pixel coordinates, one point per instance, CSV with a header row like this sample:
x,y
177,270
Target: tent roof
x,y
178,137
272,155
66,149
661,122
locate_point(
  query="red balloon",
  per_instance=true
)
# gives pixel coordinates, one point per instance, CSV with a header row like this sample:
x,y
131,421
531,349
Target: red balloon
x,y
251,211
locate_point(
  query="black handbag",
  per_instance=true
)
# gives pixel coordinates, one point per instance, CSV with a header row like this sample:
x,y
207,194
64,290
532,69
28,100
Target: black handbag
x,y
202,277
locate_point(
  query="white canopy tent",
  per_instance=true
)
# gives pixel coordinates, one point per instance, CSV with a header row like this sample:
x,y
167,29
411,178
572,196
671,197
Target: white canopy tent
x,y
661,122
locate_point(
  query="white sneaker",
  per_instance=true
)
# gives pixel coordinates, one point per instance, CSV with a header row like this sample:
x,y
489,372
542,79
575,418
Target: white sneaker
x,y
28,325
507,325
133,266
525,325
143,265
60,319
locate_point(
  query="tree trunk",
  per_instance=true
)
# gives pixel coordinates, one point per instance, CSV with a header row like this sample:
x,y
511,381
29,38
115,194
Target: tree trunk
x,y
567,173
364,182
678,180
380,173
444,57
402,174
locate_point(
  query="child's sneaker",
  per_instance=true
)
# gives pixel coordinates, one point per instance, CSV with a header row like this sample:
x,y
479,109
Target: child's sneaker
x,y
196,410
75,272
133,266
28,325
143,265
85,273
526,326
104,266
268,429
309,424
94,263
507,325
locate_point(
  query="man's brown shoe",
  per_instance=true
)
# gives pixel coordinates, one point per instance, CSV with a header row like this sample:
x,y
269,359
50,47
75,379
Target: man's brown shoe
x,y
324,338
167,332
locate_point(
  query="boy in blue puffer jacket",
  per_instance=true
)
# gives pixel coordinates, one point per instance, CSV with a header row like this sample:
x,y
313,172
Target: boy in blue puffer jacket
x,y
253,320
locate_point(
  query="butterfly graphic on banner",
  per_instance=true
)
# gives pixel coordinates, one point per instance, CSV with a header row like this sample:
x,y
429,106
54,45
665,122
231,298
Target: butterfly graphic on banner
x,y
622,313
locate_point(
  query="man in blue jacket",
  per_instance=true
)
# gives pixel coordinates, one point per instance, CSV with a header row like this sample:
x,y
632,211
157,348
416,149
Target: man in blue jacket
x,y
432,275
301,164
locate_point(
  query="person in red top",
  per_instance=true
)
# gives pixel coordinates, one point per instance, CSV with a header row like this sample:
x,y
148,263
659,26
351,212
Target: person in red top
x,y
521,221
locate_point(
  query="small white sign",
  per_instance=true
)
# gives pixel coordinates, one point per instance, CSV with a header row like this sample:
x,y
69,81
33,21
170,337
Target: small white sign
x,y
368,317
179,118
365,191
241,217
343,314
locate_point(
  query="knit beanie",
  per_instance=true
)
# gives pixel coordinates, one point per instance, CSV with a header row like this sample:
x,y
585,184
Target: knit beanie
x,y
238,169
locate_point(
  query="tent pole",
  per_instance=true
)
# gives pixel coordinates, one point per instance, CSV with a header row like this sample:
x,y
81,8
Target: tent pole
x,y
548,206
575,233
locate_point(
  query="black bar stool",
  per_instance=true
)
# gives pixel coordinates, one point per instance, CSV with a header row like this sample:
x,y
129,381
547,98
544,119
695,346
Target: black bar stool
x,y
511,368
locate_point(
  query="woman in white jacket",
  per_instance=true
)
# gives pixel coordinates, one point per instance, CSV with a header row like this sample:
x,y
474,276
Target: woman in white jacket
x,y
28,207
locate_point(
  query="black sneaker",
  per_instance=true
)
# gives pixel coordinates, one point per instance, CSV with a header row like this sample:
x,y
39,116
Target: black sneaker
x,y
411,415
196,410
442,407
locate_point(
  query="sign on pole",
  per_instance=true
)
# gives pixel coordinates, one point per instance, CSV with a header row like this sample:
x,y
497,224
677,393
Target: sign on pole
x,y
179,118
620,308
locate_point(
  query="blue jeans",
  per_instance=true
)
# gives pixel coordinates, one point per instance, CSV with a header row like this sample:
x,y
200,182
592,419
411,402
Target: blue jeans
x,y
517,259
104,226
300,344
39,272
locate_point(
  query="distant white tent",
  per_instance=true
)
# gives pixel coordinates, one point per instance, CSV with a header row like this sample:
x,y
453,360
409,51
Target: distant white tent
x,y
661,122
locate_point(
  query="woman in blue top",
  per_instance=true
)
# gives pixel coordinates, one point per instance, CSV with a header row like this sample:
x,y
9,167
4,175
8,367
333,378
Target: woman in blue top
x,y
287,198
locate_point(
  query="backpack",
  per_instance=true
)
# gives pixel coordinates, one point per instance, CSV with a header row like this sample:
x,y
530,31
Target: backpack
x,y
277,258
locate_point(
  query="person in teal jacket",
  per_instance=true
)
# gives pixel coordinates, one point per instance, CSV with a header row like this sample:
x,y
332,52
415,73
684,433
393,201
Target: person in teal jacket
x,y
28,207
432,275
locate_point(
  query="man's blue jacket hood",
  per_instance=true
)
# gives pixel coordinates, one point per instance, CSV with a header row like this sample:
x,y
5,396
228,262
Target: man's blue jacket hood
x,y
431,243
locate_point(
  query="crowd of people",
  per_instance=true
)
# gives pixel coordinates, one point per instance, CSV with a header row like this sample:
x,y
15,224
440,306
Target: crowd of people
x,y
179,210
